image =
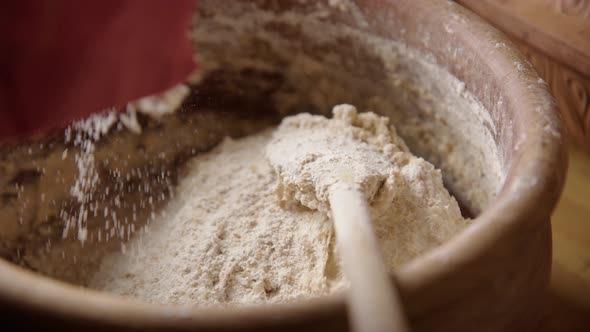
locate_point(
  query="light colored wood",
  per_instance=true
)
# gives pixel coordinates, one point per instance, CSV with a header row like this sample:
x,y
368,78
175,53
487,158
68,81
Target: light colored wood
x,y
571,234
555,36
570,275
564,37
373,301
568,308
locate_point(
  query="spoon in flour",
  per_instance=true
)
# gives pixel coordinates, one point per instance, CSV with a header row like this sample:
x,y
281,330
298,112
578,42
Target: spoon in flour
x,y
323,167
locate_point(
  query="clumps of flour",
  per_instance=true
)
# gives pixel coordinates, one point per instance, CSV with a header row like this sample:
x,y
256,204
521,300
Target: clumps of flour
x,y
311,154
227,239
411,209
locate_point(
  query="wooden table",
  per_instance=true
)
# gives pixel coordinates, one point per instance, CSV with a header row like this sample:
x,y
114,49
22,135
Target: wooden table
x,y
569,308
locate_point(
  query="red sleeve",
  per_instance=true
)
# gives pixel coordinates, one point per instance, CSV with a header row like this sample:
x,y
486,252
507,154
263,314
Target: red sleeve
x,y
64,59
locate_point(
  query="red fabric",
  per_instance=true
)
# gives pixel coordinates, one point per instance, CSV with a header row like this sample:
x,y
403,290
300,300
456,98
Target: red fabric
x,y
63,59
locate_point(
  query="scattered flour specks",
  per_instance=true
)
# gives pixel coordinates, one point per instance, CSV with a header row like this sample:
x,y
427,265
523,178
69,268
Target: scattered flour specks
x,y
227,239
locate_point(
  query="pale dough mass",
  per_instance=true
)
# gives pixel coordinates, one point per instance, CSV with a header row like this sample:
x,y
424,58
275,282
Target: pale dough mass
x,y
238,233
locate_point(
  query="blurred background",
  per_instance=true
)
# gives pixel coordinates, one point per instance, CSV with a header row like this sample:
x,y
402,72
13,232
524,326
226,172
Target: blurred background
x,y
555,36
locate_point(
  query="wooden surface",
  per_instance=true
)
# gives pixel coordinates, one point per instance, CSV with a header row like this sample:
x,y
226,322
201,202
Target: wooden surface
x,y
569,309
374,305
558,27
555,36
571,91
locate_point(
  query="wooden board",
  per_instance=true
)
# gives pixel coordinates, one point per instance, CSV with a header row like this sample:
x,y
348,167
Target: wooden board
x,y
569,309
555,36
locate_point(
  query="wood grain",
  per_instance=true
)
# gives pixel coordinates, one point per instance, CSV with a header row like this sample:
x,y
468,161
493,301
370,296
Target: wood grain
x,y
564,37
570,89
373,304
555,36
579,8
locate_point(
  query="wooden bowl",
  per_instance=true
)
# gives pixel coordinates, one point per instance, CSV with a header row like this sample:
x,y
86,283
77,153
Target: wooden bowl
x,y
456,89
555,36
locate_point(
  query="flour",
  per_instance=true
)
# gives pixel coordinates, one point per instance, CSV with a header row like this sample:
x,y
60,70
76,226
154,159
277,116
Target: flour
x,y
85,134
227,239
312,154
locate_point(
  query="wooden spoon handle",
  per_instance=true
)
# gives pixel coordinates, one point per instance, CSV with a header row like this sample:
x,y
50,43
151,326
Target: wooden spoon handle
x,y
373,302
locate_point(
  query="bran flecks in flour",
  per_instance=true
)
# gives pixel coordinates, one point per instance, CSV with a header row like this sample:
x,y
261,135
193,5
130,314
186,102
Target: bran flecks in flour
x,y
236,234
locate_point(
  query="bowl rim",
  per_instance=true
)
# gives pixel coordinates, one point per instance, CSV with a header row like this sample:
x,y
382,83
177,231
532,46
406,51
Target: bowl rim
x,y
541,153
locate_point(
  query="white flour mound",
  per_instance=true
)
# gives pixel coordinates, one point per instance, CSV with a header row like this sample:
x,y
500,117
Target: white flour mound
x,y
312,154
229,237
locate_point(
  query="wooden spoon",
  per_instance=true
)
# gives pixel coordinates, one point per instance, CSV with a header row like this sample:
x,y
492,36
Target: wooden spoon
x,y
331,171
373,301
